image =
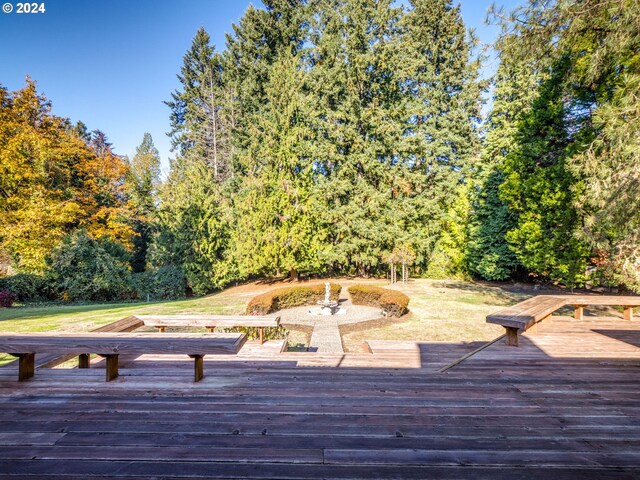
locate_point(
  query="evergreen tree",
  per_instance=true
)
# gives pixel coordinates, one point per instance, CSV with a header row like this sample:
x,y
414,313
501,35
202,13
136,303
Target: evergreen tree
x,y
81,130
603,39
191,231
488,252
577,143
143,180
256,43
442,86
447,260
332,109
144,176
100,144
278,227
355,52
443,106
194,77
539,188
198,126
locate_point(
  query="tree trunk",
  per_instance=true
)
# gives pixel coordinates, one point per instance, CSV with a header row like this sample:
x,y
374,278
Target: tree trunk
x,y
293,275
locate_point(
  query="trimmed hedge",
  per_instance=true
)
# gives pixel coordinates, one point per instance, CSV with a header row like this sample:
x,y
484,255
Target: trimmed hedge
x,y
288,297
391,301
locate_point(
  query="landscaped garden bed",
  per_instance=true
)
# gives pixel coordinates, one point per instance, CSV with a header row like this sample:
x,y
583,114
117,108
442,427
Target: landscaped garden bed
x,y
289,297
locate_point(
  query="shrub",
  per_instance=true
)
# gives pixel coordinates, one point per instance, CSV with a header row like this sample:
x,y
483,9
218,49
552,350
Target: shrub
x,y
88,269
391,301
288,297
164,283
28,287
6,298
253,333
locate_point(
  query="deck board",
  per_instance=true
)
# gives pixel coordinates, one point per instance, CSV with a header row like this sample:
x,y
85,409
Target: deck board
x,y
564,405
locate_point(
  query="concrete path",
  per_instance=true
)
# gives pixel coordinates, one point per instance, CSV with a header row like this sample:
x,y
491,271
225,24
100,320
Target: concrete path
x,y
325,337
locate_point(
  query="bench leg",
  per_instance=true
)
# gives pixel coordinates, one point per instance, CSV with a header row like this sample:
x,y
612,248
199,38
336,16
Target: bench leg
x,y
84,360
26,365
628,313
210,329
198,364
112,367
261,335
161,329
578,312
511,336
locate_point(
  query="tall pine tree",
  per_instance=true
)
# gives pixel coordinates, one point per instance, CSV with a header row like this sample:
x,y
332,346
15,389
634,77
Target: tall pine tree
x,y
443,106
143,181
279,228
489,254
354,55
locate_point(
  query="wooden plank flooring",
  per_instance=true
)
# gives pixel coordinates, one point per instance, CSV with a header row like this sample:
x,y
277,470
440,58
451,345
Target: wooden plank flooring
x,y
564,405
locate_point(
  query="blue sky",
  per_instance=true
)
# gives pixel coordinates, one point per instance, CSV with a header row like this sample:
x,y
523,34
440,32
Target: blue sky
x,y
111,63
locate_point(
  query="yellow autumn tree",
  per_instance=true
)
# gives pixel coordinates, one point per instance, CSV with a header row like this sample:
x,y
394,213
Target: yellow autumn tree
x,y
52,182
103,193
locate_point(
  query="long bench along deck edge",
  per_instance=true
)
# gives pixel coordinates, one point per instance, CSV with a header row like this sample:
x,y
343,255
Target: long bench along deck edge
x,y
524,315
127,324
161,322
111,345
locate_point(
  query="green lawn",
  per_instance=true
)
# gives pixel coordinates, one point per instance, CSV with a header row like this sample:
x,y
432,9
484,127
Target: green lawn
x,y
453,311
440,310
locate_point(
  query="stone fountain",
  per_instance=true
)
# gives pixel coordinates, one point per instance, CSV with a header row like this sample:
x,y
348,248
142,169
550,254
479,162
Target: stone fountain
x,y
327,306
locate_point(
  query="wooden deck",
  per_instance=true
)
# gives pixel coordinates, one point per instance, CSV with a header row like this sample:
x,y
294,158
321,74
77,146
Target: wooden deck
x,y
564,405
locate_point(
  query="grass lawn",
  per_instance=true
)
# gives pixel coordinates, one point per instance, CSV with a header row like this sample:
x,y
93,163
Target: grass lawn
x,y
440,310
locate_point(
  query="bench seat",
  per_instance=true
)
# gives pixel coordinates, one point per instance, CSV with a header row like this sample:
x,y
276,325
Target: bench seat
x,y
579,302
110,345
518,318
51,360
161,322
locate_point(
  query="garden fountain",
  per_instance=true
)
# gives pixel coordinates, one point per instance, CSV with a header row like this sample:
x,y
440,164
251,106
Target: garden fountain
x,y
327,306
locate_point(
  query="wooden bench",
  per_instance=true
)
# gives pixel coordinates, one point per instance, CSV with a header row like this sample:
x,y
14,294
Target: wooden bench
x,y
579,302
161,322
524,315
111,345
127,324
